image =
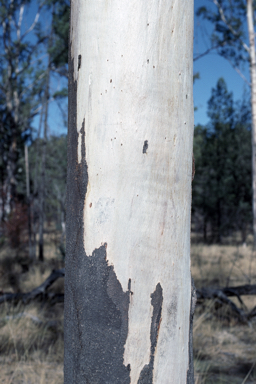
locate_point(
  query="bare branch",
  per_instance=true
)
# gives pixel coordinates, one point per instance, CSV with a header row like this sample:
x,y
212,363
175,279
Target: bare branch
x,y
239,72
29,63
35,293
35,20
219,294
206,52
223,18
20,20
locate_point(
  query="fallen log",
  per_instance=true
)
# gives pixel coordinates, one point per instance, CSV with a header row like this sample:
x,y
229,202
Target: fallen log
x,y
221,294
209,293
39,293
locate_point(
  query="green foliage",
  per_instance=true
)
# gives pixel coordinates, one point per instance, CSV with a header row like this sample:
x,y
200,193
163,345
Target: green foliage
x,y
228,19
196,76
61,94
222,185
60,24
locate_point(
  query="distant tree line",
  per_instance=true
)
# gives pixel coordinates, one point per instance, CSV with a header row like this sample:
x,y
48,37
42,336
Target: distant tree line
x,y
33,74
222,187
232,36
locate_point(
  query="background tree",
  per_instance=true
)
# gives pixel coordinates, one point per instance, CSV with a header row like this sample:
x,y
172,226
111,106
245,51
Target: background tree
x,y
20,84
26,90
57,47
55,182
60,27
229,38
222,150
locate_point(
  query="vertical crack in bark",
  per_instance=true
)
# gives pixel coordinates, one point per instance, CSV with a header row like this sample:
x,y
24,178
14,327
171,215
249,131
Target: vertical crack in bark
x,y
146,375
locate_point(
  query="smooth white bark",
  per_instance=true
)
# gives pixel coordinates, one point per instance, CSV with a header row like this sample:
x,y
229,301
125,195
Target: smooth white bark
x,y
134,90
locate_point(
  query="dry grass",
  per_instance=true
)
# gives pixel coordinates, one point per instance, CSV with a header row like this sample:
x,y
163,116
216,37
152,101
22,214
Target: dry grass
x,y
31,336
224,349
31,344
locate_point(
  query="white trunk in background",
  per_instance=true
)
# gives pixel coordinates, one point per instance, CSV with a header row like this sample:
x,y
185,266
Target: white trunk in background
x,y
133,78
253,104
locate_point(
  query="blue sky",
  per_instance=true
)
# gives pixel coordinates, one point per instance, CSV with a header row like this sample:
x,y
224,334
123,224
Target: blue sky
x,y
55,121
211,67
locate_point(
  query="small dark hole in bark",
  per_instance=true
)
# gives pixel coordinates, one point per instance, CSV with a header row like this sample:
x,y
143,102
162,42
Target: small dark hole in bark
x,y
79,61
145,146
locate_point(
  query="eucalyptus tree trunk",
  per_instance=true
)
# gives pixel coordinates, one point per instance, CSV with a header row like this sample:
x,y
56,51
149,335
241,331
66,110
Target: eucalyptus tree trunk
x,y
253,104
128,306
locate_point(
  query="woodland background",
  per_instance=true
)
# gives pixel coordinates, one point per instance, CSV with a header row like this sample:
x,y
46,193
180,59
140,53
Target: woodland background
x,y
33,143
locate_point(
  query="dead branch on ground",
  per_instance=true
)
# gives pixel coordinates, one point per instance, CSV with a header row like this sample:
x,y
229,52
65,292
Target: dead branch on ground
x,y
220,294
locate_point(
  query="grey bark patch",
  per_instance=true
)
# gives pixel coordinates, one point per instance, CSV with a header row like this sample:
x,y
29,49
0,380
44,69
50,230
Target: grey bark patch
x,y
99,328
145,146
172,310
96,308
146,375
190,372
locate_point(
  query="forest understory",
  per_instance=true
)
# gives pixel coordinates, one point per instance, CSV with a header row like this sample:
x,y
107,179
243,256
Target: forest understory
x,y
31,335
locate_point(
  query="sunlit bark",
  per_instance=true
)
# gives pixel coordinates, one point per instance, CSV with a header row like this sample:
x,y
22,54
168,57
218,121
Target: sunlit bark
x,y
128,284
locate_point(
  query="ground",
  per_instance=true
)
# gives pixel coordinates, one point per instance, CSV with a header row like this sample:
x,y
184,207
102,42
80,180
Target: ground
x,y
31,336
224,349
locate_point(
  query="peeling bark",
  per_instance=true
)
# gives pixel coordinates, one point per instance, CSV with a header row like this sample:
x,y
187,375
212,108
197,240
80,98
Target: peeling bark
x,y
95,303
129,192
146,376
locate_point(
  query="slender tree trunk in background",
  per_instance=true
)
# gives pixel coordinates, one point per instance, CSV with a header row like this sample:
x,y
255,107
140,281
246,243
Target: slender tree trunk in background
x,y
11,177
35,206
30,243
42,182
13,108
128,307
253,102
